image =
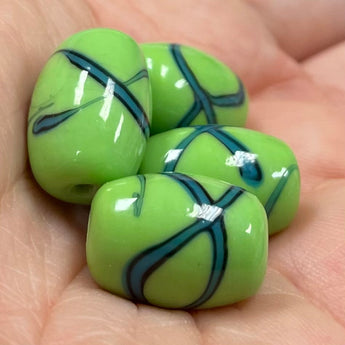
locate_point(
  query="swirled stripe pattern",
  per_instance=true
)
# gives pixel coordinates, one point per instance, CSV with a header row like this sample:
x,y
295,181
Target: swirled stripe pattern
x,y
250,171
102,76
203,100
140,268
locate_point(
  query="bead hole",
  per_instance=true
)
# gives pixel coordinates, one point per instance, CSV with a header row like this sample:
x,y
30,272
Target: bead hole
x,y
84,188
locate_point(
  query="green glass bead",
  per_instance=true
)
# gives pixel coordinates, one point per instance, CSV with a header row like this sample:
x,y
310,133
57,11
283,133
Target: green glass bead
x,y
177,241
263,165
89,115
190,87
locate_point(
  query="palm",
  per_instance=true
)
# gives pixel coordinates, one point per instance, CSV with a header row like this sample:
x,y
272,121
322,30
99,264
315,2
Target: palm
x,y
46,293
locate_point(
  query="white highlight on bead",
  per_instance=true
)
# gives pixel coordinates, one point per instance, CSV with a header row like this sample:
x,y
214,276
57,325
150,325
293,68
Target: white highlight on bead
x,y
279,174
124,204
181,83
149,63
249,229
240,158
164,70
108,98
119,128
79,89
206,212
172,155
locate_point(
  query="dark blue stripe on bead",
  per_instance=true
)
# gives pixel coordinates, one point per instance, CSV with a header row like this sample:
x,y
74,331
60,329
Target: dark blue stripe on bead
x,y
195,190
103,77
279,188
197,130
220,257
203,100
199,93
143,265
250,170
141,74
138,204
191,114
232,100
45,123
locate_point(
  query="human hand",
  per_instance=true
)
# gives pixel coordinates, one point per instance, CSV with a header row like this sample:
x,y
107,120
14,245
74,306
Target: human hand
x,y
297,92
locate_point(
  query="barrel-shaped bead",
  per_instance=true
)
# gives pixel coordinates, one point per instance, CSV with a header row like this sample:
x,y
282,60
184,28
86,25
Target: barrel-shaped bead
x,y
177,241
190,87
262,164
89,115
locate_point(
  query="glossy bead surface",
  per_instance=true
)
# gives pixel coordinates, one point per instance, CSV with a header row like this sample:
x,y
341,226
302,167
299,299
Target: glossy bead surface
x,y
177,241
89,114
190,87
263,165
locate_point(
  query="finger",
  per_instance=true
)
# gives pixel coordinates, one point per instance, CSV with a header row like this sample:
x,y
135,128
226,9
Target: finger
x,y
278,314
311,253
327,69
28,34
303,27
87,315
41,250
299,113
230,30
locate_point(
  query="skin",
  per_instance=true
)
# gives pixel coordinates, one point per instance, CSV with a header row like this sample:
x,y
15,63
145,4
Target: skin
x,y
290,54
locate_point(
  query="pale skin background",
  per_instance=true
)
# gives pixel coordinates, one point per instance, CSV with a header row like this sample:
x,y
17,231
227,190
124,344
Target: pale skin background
x,y
291,56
